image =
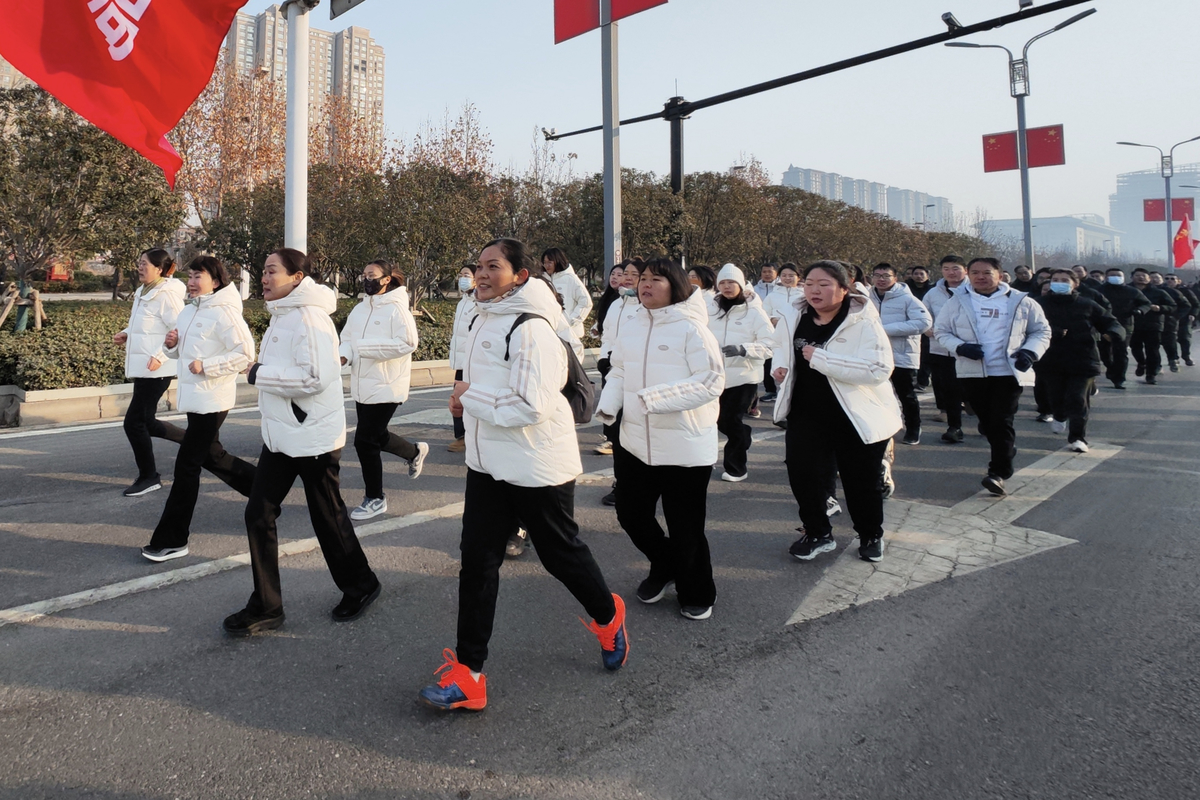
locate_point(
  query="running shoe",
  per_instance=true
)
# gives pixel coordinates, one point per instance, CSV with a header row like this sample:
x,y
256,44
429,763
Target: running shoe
x,y
614,641
456,687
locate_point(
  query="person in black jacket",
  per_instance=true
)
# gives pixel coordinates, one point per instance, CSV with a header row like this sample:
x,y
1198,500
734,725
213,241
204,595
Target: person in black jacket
x,y
1170,336
1072,362
1128,304
1187,313
1024,282
1089,288
918,283
1148,328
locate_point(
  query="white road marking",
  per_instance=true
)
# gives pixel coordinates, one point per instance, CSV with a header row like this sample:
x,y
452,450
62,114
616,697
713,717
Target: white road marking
x,y
33,611
926,544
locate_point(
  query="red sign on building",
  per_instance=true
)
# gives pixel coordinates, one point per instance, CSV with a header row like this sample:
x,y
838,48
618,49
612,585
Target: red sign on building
x,y
1156,210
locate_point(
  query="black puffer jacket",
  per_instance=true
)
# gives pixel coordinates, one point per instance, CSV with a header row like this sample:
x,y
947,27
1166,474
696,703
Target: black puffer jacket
x,y
1075,322
1153,320
1192,309
1127,303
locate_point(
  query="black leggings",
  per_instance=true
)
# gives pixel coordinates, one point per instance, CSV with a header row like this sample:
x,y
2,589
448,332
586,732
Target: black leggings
x,y
373,437
735,402
815,453
141,423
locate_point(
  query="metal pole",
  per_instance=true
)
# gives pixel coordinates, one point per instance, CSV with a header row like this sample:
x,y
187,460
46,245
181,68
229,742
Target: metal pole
x,y
1023,161
676,122
612,139
1170,252
295,203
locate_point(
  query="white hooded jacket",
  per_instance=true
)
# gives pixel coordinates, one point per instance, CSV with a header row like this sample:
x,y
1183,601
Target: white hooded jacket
x,y
904,319
857,360
464,312
781,302
213,332
299,375
378,340
746,325
577,302
1027,330
519,426
620,312
154,313
667,376
935,300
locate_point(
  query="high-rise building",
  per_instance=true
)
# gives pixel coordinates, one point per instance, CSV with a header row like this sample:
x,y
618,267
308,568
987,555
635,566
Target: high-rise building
x,y
10,78
904,205
1126,211
1077,235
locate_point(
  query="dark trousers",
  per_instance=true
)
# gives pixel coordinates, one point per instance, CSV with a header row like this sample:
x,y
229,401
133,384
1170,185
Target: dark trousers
x,y
1170,338
490,515
734,403
815,451
141,423
995,401
1115,356
460,430
1185,339
372,437
768,381
330,520
904,382
1041,395
1144,345
683,555
924,373
947,391
1069,397
199,448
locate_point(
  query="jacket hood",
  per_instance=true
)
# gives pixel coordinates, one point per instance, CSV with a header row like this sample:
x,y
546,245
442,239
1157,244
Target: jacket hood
x,y
308,293
941,283
694,308
533,297
898,289
398,296
228,297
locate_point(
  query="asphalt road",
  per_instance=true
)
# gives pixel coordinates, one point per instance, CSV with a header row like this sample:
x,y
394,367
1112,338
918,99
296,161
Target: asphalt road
x,y
1069,674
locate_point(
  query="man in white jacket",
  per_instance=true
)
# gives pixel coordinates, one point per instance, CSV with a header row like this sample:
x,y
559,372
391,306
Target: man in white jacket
x,y
946,391
522,462
904,319
576,300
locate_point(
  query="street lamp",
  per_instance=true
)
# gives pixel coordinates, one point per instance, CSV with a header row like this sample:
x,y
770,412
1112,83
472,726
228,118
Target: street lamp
x,y
925,215
1168,169
1018,76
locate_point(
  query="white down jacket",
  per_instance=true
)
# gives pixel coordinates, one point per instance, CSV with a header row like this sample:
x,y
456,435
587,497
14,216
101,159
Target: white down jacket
x,y
667,376
746,325
464,312
213,332
617,315
904,319
935,300
781,303
154,313
299,375
1028,330
577,302
378,340
519,427
857,360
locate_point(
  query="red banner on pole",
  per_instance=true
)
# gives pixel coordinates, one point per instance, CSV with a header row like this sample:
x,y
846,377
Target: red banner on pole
x,y
1185,245
627,8
1156,210
1045,146
575,17
1000,152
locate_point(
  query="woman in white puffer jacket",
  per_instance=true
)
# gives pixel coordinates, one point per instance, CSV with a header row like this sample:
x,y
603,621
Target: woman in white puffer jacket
x,y
156,305
378,341
666,380
299,382
745,336
576,299
464,312
212,345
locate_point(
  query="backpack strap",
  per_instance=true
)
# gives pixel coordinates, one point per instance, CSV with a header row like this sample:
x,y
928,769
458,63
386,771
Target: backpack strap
x,y
520,320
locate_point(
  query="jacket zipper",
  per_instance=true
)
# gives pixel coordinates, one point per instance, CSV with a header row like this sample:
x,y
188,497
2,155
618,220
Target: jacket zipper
x,y
354,372
467,379
645,373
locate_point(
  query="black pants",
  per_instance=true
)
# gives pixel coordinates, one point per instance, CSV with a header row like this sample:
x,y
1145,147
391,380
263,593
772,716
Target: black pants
x,y
460,430
490,515
199,448
1185,339
330,520
683,555
768,381
372,437
1041,395
815,451
1070,399
946,389
924,373
1115,356
1170,338
1144,345
734,403
141,423
904,382
995,401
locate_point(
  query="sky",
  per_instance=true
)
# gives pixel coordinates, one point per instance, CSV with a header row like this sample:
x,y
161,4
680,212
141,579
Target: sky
x,y
914,121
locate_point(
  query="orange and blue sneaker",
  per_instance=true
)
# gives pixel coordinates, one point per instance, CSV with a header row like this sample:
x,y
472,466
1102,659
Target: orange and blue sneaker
x,y
614,641
456,688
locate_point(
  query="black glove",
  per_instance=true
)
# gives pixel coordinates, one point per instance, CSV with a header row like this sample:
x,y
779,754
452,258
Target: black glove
x,y
604,365
1023,360
971,350
731,350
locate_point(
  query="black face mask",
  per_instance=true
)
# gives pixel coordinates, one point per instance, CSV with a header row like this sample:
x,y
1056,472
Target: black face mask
x,y
372,285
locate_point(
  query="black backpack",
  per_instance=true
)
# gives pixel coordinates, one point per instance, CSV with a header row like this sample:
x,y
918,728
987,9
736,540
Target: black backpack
x,y
579,390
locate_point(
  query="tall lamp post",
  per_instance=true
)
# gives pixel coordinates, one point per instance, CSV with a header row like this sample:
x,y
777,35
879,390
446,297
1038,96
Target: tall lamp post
x,y
1018,76
1168,169
925,215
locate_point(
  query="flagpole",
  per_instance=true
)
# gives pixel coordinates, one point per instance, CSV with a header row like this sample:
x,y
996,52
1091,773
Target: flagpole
x,y
295,200
612,140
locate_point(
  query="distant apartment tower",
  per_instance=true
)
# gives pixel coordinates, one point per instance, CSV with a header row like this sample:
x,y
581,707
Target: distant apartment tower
x,y
346,64
10,78
1126,212
869,195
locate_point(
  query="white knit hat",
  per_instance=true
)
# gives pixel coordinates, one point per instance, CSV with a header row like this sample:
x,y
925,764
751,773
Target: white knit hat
x,y
730,272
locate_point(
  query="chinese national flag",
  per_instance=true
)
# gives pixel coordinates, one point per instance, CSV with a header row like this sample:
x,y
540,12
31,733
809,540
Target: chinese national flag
x,y
1000,152
1185,245
1045,146
627,8
575,17
131,67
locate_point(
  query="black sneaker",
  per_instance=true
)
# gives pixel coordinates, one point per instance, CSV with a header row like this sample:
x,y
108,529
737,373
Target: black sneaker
x,y
1173,366
994,484
808,547
1189,362
610,499
651,591
164,553
1152,380
871,550
1120,386
953,436
247,622
696,612
912,437
353,607
1045,418
143,486
1140,371
516,544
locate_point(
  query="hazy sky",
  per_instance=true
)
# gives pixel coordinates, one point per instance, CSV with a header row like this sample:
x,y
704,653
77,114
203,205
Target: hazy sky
x,y
914,121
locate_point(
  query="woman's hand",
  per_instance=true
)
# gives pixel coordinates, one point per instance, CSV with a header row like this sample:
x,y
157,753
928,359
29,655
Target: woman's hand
x,y
196,367
172,338
456,406
343,361
779,374
807,352
120,338
153,364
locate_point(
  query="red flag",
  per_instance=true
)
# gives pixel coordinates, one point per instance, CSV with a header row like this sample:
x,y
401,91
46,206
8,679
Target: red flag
x,y
575,17
1156,210
131,67
1000,152
627,8
1185,245
1045,146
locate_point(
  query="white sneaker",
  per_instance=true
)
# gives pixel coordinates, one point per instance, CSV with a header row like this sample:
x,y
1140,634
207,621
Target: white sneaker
x,y
832,507
1079,446
725,476
1058,427
417,464
604,448
371,507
